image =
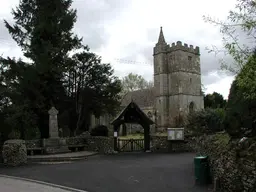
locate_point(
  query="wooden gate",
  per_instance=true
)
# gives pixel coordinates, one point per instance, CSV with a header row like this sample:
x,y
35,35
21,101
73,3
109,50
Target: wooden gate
x,y
129,145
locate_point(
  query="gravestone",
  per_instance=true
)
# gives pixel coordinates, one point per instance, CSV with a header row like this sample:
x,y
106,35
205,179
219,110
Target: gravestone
x,y
53,123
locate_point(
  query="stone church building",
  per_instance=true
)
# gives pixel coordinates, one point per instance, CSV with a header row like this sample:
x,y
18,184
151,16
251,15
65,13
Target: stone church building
x,y
177,87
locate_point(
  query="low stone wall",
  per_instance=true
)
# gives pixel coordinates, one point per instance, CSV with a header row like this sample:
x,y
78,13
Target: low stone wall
x,y
161,144
14,152
232,163
103,145
76,140
92,143
33,143
68,140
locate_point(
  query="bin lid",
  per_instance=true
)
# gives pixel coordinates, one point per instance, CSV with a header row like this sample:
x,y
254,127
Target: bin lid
x,y
201,157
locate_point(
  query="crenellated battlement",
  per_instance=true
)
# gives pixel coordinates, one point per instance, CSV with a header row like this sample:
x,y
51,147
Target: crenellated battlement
x,y
179,46
177,81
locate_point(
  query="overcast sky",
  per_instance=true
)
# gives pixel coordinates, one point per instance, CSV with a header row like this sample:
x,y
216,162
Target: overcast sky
x,y
125,32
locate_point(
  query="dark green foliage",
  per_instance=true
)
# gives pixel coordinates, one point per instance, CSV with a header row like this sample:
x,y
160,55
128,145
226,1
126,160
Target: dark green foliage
x,y
100,130
205,121
77,85
43,30
241,107
241,113
214,100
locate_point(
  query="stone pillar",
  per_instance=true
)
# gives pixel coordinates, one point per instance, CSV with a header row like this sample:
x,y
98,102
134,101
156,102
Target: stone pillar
x,y
53,123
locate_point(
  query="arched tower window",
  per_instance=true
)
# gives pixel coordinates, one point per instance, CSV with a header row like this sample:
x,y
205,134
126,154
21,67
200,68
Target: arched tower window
x,y
191,107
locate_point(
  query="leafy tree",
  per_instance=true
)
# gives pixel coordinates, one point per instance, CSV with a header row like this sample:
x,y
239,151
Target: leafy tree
x,y
214,100
44,31
17,91
241,106
205,121
90,80
100,130
133,82
240,22
246,78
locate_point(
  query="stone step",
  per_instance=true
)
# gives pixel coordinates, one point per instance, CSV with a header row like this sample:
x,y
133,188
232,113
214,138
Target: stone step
x,y
57,159
75,156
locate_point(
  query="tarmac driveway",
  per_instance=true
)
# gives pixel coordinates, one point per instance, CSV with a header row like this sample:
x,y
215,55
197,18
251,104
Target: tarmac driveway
x,y
127,172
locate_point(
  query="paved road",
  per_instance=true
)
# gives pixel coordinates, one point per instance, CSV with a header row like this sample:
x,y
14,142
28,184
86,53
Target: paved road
x,y
136,172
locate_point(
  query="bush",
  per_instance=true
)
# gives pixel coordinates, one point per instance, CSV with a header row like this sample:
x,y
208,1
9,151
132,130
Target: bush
x,y
205,121
241,113
100,130
241,106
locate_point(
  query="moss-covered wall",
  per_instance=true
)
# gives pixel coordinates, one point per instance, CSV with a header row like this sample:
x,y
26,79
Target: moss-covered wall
x,y
160,143
232,163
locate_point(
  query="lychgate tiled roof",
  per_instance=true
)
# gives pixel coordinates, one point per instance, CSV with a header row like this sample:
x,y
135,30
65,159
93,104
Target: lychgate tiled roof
x,y
130,113
143,98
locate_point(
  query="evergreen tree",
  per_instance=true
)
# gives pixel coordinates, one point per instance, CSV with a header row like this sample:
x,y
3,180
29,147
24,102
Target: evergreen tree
x,y
214,100
241,106
44,31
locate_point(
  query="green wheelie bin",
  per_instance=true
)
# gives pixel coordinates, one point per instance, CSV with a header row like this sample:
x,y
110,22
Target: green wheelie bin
x,y
202,171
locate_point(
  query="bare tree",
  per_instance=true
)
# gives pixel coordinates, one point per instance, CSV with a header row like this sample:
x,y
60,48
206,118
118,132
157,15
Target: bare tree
x,y
239,34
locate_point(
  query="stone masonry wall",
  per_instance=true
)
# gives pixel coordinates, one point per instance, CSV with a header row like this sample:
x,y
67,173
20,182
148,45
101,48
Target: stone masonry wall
x,y
76,140
14,152
99,144
161,144
232,163
93,143
33,143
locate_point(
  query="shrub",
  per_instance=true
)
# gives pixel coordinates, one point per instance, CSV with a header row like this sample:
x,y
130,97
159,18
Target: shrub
x,y
241,112
100,130
205,121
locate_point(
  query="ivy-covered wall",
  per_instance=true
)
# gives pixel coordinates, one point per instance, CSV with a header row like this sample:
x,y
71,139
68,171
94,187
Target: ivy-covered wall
x,y
233,163
161,144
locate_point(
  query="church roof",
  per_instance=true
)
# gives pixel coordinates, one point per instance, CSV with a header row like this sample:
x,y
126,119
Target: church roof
x,y
132,114
143,98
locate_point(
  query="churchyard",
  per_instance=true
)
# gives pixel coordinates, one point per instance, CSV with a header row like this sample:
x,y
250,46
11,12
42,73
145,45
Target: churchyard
x,y
86,154
62,110
64,153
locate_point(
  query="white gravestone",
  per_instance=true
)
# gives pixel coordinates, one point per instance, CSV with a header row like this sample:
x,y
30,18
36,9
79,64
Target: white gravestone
x,y
53,123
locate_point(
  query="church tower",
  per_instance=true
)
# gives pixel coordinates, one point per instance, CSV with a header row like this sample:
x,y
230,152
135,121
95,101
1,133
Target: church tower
x,y
177,82
161,83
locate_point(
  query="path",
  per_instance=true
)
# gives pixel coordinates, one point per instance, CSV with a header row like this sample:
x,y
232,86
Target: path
x,y
62,157
137,172
15,184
